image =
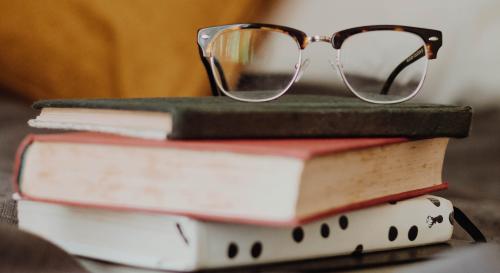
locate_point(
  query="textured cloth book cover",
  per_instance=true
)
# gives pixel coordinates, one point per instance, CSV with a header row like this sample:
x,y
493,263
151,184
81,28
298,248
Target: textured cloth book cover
x,y
287,117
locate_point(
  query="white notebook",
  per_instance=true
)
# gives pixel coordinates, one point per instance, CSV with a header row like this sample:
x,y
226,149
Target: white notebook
x,y
180,243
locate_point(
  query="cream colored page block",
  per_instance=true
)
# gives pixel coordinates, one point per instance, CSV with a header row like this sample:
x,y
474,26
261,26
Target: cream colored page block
x,y
145,124
164,179
371,173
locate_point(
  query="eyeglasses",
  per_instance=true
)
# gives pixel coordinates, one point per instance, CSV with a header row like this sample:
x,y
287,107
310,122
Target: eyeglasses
x,y
260,62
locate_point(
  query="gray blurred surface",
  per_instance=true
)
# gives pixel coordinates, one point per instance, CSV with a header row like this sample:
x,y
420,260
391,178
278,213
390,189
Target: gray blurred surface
x,y
472,166
478,258
22,252
13,116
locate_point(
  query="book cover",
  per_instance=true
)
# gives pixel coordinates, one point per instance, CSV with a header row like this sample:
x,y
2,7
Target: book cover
x,y
185,244
279,182
292,116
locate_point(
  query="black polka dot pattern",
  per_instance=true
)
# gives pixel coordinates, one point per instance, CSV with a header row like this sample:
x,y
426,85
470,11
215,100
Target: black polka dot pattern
x,y
412,233
393,233
343,222
298,234
325,230
232,250
358,250
434,201
256,250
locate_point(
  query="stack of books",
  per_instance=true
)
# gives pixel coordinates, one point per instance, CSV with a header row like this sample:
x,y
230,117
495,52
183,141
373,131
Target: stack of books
x,y
197,183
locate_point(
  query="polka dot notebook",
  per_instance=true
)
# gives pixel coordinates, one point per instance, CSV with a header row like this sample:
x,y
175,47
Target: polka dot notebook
x,y
184,244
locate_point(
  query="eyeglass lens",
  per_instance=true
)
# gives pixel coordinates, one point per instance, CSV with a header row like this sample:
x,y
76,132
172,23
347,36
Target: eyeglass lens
x,y
254,64
383,66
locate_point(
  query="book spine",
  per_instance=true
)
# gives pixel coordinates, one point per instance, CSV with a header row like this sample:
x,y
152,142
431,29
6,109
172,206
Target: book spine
x,y
18,162
202,245
413,222
199,124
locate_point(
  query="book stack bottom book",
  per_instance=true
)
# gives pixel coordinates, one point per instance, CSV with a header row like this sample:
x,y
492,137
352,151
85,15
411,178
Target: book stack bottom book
x,y
185,244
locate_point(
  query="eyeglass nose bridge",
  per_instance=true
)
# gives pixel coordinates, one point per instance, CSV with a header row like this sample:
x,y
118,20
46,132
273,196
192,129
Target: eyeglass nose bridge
x,y
319,38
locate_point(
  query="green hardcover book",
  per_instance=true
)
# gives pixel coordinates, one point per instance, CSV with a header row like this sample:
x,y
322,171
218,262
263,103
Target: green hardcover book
x,y
292,116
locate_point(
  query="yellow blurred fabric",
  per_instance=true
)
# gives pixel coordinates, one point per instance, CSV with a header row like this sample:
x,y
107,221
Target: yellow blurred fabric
x,y
110,48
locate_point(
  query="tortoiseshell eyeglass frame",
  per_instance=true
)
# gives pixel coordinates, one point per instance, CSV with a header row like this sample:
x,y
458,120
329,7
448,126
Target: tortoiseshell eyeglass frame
x,y
432,40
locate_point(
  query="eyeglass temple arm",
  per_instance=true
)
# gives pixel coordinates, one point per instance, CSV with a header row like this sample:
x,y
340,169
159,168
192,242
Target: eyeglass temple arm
x,y
419,53
210,74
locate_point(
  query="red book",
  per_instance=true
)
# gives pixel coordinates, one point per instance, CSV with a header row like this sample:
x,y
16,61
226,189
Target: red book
x,y
271,182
